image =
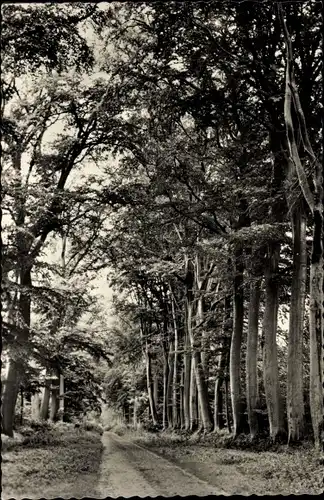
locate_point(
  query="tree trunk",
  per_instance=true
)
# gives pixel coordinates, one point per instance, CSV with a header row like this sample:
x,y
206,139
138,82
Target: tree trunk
x,y
54,405
170,385
135,412
187,380
35,406
193,400
149,383
218,396
270,361
252,357
199,373
61,398
316,325
165,390
9,399
175,381
227,402
45,400
204,339
295,396
181,402
223,362
16,368
235,352
156,388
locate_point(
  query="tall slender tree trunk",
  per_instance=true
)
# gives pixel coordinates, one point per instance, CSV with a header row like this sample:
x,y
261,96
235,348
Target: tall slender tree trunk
x,y
187,380
135,411
165,388
156,388
170,384
218,395
149,383
175,380
61,398
220,403
181,402
252,357
193,400
236,344
295,396
270,359
200,377
204,339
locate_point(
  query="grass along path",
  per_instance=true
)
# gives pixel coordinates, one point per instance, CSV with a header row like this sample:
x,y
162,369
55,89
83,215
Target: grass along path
x,y
282,471
65,466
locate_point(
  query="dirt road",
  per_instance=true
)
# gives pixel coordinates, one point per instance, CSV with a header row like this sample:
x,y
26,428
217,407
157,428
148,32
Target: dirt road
x,y
130,470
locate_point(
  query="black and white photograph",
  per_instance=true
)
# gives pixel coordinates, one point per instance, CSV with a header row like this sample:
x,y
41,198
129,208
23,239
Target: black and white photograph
x,y
162,236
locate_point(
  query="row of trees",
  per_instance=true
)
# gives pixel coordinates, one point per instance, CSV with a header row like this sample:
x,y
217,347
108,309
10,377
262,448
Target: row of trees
x,y
210,217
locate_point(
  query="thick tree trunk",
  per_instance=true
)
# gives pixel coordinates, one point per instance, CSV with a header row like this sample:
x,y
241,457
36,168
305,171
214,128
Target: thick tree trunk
x,y
270,360
45,399
236,344
251,357
35,406
295,397
316,326
15,367
9,398
54,404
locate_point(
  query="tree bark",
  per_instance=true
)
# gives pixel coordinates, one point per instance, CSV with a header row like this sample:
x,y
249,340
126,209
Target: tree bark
x,y
175,381
156,388
316,325
149,383
165,389
35,406
295,396
187,380
170,385
200,378
193,400
235,352
181,402
54,404
61,398
251,357
270,360
15,367
45,399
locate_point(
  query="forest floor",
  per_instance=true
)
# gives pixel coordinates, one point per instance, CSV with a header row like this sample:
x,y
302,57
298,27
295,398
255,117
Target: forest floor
x,y
280,471
63,461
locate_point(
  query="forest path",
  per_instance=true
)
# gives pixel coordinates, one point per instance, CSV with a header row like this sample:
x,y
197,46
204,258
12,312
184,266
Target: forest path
x,y
128,470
